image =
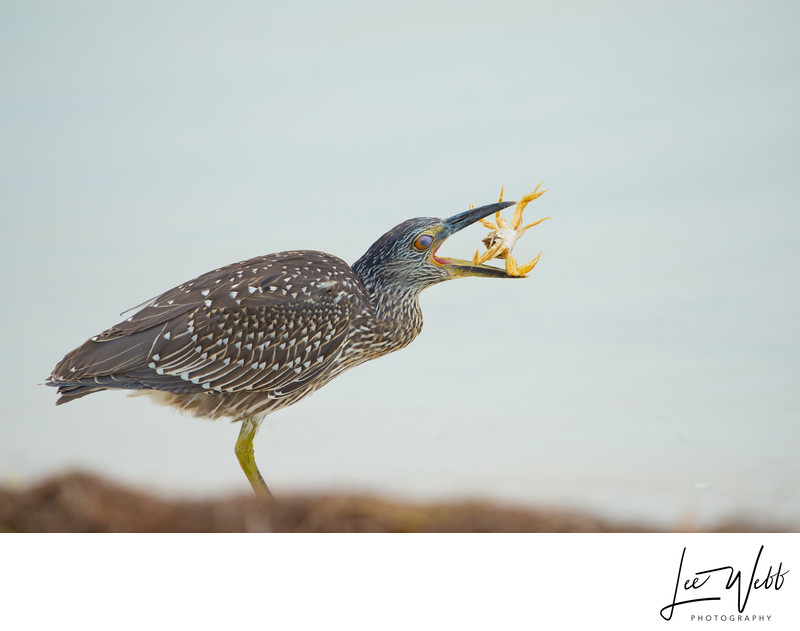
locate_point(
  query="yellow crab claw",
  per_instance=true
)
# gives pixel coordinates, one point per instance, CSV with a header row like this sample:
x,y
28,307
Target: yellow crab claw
x,y
490,253
517,218
524,269
511,266
479,258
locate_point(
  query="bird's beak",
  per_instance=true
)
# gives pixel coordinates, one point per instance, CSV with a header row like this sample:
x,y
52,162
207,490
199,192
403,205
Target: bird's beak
x,y
460,267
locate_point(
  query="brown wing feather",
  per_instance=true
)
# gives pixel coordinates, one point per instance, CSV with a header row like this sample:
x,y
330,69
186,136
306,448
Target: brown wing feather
x,y
265,324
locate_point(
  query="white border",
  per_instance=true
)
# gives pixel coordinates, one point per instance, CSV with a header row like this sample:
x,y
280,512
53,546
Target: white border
x,y
483,581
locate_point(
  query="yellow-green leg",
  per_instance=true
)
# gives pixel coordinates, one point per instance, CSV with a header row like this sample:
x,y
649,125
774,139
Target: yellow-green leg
x,y
247,459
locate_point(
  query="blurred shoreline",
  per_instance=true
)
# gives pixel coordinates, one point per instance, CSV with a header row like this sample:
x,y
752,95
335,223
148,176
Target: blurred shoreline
x,y
82,502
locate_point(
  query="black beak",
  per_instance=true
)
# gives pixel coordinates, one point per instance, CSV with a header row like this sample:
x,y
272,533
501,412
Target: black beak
x,y
469,217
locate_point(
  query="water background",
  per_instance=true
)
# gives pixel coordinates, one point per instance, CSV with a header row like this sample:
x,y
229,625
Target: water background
x,y
649,367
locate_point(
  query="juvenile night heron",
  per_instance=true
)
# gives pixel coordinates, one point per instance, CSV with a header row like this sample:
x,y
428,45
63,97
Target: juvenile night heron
x,y
248,339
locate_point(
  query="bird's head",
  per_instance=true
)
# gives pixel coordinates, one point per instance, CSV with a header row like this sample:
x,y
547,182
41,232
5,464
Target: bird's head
x,y
405,257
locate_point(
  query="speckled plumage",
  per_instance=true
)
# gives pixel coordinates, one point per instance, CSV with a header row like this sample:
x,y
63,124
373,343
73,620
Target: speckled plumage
x,y
250,338
242,340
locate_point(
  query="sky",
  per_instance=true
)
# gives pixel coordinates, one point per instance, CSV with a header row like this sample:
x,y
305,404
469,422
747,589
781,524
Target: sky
x,y
646,370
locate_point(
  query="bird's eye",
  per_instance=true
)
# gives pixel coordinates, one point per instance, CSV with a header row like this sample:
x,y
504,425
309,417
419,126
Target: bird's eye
x,y
423,242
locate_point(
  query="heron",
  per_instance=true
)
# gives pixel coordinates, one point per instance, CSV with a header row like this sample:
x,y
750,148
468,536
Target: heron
x,y
248,339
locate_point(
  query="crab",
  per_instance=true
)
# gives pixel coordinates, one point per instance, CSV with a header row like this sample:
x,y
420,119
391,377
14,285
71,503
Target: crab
x,y
503,236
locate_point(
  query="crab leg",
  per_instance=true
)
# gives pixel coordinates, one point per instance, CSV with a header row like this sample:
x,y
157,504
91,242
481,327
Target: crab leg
x,y
489,254
517,219
505,235
524,269
486,221
511,266
531,225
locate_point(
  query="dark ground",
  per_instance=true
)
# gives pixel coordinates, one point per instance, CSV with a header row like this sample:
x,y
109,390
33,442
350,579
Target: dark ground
x,y
78,502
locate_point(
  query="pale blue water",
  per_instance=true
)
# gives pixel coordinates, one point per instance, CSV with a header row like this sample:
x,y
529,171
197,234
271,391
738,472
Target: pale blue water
x,y
648,369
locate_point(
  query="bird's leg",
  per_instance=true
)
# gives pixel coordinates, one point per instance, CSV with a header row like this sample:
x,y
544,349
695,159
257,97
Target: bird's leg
x,y
247,459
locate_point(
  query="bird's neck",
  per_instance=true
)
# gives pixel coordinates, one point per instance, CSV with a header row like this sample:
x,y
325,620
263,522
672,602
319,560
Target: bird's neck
x,y
396,312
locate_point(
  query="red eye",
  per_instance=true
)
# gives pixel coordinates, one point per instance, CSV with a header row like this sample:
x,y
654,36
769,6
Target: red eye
x,y
423,242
